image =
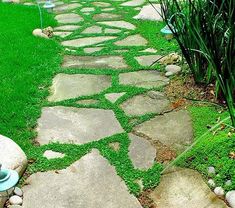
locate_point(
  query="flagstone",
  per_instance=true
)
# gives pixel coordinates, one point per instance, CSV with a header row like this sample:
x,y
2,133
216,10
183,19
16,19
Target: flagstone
x,y
87,102
87,9
149,50
67,86
120,24
67,28
92,29
141,152
133,3
146,79
97,62
149,12
172,129
90,182
101,4
68,18
147,60
108,9
149,102
76,125
66,7
109,30
133,40
113,97
106,16
92,50
62,34
87,41
180,187
49,154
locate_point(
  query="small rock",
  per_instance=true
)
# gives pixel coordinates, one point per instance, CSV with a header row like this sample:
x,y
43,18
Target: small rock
x,y
115,146
49,154
230,197
18,191
228,183
15,200
211,182
172,58
173,68
39,33
48,31
168,74
219,191
211,170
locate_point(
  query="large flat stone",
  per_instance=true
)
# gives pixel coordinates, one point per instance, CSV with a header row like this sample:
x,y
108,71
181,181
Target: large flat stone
x,y
97,62
106,16
184,188
76,125
172,129
119,24
67,86
133,3
92,29
150,102
101,4
147,60
148,12
133,40
87,41
62,34
146,79
141,152
67,28
68,18
113,97
66,7
90,182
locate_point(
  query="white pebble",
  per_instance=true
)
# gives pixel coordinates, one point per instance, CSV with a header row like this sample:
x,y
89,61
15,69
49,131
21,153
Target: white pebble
x,y
230,197
18,191
228,183
39,33
168,74
211,170
15,200
219,191
211,182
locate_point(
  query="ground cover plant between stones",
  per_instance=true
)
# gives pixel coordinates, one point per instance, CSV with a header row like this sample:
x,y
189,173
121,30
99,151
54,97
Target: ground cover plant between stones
x,y
32,75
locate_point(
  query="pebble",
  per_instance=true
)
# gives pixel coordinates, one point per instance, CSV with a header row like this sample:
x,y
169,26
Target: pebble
x,y
39,33
219,191
18,191
173,68
15,200
230,197
228,183
211,170
168,74
211,182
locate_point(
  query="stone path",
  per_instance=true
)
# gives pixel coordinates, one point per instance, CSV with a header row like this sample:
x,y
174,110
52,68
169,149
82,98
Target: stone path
x,y
100,99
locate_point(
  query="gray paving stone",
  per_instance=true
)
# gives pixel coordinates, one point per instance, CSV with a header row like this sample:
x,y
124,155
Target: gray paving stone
x,y
172,129
109,30
149,50
87,41
184,188
141,152
76,125
119,24
113,97
62,34
146,79
96,62
106,16
49,154
133,3
67,28
133,40
66,7
67,86
87,9
87,102
68,18
150,102
92,50
90,182
101,4
149,13
147,60
92,29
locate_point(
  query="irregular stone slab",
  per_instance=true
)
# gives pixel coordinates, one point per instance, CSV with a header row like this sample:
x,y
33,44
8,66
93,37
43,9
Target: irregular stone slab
x,y
108,9
67,86
141,152
11,157
87,41
120,24
76,125
67,28
149,13
172,129
150,102
66,7
106,16
87,102
133,40
90,182
184,187
101,4
147,60
88,9
108,30
96,62
92,29
113,97
92,50
68,18
62,34
133,3
49,154
146,79
149,50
